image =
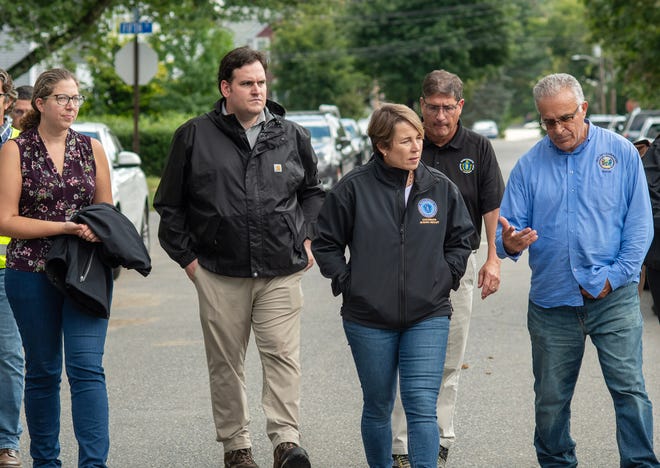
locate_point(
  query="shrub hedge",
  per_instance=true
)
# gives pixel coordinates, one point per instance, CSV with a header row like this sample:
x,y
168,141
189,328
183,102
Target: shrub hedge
x,y
155,136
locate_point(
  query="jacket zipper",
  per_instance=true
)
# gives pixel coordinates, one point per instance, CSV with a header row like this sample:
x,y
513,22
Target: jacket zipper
x,y
402,236
402,274
88,266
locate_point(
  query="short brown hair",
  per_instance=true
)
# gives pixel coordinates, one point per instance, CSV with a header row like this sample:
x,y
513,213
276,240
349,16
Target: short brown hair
x,y
385,118
238,58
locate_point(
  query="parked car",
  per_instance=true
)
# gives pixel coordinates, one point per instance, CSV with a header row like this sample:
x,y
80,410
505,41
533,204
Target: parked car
x,y
130,192
632,127
650,128
360,143
612,122
487,128
363,123
329,141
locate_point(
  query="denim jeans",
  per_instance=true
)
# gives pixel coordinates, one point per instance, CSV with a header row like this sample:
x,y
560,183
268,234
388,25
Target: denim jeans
x,y
11,374
558,337
47,320
417,355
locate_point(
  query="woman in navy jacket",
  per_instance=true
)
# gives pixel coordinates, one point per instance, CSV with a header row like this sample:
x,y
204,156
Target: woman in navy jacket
x,y
407,230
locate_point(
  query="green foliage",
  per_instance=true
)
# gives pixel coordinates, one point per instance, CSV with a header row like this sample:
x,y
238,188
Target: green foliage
x,y
545,35
345,51
397,42
190,82
51,26
189,44
629,33
155,136
313,66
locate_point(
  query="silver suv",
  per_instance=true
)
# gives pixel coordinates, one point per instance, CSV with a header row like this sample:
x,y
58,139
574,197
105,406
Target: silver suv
x,y
636,118
329,141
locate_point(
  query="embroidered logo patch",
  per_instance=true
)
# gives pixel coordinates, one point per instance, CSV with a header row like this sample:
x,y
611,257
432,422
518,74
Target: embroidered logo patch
x,y
607,161
427,208
466,165
277,168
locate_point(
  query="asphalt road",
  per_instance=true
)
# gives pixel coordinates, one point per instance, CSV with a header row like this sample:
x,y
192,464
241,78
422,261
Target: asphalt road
x,y
159,395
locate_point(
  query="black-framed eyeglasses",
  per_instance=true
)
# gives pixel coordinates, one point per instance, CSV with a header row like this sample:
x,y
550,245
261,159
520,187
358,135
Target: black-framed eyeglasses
x,y
435,110
64,100
552,123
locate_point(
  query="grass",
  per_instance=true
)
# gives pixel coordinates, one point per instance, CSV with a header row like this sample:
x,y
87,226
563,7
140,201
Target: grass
x,y
152,183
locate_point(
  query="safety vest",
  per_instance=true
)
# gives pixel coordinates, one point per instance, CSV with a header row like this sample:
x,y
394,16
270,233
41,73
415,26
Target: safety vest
x,y
3,251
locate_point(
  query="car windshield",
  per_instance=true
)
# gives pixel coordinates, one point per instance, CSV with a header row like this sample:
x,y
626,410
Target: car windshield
x,y
90,134
483,125
653,131
641,117
318,132
601,123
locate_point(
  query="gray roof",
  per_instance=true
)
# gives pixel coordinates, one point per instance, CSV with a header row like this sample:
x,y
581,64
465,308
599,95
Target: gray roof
x,y
11,53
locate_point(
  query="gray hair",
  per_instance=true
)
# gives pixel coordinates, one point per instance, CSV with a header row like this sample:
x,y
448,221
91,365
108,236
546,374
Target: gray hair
x,y
551,85
442,82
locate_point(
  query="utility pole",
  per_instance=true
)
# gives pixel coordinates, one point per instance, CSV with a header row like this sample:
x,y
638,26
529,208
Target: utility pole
x,y
598,59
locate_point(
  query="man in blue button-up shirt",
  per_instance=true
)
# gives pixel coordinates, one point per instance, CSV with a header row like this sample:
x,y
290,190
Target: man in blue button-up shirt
x,y
579,200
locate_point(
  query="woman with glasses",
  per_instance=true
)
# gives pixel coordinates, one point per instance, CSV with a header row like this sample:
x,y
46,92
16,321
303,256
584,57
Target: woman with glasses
x,y
49,172
407,229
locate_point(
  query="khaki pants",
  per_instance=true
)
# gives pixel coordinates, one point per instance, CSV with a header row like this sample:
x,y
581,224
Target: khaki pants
x,y
229,309
459,326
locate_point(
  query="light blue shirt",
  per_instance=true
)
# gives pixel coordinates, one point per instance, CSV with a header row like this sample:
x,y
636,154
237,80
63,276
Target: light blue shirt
x,y
591,210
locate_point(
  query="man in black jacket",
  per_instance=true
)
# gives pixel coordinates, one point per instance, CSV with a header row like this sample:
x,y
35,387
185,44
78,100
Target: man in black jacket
x,y
651,161
238,202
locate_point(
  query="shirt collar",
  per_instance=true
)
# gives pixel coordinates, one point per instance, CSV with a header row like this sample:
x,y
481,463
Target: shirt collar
x,y
264,115
5,132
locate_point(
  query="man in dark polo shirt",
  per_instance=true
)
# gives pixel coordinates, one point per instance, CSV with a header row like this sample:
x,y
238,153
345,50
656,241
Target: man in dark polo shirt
x,y
468,159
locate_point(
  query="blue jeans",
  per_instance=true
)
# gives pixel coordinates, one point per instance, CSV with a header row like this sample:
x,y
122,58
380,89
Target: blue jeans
x,y
47,319
558,337
417,354
11,374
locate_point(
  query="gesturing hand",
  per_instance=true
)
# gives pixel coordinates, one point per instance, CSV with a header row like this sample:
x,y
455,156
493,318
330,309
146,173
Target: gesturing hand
x,y
516,241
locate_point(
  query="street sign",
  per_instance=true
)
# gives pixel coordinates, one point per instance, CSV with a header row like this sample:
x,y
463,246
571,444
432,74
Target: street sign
x,y
147,63
135,27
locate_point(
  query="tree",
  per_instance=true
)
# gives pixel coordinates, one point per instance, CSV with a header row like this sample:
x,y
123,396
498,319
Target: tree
x,y
312,65
545,36
398,42
190,82
629,33
58,23
52,26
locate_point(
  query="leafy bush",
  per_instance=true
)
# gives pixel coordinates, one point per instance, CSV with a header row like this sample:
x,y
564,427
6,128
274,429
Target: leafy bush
x,y
155,136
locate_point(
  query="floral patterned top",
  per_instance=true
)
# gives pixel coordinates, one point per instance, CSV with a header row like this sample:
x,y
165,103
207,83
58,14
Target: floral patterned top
x,y
48,195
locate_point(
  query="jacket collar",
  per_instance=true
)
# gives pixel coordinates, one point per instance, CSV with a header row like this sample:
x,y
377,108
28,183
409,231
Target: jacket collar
x,y
272,107
397,178
230,125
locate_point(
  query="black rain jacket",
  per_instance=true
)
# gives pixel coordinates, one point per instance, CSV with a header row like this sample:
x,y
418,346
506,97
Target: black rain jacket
x,y
241,212
83,270
651,162
404,258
